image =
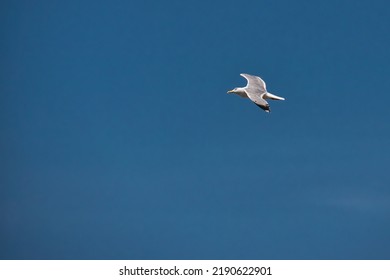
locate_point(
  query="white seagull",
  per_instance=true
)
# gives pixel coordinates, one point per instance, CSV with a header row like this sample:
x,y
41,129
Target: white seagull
x,y
256,91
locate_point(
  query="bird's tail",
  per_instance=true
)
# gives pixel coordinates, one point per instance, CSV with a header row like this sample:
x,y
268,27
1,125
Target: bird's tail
x,y
272,96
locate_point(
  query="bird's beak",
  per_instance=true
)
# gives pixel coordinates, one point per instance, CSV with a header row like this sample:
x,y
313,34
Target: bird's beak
x,y
230,91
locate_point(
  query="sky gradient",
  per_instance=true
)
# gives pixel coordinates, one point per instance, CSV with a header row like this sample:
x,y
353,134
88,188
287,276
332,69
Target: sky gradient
x,y
118,140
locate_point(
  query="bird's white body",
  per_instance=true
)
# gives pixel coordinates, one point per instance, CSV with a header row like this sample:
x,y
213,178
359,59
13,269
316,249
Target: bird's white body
x,y
256,91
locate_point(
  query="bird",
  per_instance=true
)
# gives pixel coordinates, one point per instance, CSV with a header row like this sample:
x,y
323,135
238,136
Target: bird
x,y
256,91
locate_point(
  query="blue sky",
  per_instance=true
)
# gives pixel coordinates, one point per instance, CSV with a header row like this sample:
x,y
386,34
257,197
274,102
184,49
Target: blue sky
x,y
118,140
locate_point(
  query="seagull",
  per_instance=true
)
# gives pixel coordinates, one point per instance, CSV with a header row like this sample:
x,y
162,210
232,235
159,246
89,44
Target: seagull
x,y
256,91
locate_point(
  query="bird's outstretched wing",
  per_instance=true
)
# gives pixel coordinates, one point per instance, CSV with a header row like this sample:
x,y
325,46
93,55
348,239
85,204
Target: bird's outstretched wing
x,y
258,100
254,82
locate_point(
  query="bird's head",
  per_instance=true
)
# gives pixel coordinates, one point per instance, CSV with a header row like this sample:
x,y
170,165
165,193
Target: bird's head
x,y
233,90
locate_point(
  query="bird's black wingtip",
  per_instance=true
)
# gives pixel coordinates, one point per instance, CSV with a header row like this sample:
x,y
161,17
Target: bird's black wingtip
x,y
264,107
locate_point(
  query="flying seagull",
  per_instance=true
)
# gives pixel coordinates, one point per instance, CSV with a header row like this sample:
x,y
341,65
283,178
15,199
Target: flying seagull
x,y
256,91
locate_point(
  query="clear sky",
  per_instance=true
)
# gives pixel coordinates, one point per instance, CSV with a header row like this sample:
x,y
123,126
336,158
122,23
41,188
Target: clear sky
x,y
118,140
